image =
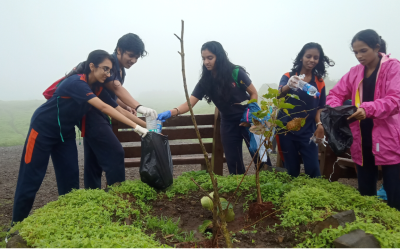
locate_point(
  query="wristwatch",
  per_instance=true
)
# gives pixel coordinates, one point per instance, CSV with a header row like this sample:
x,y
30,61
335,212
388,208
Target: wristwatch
x,y
319,123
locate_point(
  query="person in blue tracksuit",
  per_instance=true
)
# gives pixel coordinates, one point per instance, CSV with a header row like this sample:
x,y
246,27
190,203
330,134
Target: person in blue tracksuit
x,y
217,85
52,131
312,62
103,151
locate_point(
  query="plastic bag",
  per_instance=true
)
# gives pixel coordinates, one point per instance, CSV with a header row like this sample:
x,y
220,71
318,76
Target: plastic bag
x,y
255,141
156,167
337,127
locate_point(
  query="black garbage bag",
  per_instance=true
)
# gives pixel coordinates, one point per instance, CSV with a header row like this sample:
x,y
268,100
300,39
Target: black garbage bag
x,y
156,162
337,128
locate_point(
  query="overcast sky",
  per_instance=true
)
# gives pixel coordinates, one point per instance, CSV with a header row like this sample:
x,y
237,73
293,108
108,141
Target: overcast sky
x,y
42,40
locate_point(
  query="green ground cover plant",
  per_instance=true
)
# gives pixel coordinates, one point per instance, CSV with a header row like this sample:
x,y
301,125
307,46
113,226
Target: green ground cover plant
x,y
94,218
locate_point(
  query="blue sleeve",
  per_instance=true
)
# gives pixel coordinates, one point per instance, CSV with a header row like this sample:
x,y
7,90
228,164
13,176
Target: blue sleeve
x,y
322,99
198,91
112,78
78,90
283,81
243,79
106,98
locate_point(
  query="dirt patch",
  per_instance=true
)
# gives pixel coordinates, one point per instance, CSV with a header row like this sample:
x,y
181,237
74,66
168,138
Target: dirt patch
x,y
191,215
257,211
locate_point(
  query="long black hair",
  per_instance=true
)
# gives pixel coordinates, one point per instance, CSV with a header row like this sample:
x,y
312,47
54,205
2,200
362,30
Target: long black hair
x,y
371,38
96,57
323,63
220,83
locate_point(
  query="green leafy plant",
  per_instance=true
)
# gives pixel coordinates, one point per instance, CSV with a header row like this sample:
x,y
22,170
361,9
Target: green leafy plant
x,y
208,235
84,218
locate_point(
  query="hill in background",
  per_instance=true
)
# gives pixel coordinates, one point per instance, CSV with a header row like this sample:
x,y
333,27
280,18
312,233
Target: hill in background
x,y
15,120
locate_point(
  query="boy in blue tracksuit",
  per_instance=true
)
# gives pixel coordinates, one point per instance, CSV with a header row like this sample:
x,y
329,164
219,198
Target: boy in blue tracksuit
x,y
103,151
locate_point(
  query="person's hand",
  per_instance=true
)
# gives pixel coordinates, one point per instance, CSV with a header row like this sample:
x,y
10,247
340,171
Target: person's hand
x,y
245,124
141,131
358,115
293,82
147,112
319,133
131,110
164,116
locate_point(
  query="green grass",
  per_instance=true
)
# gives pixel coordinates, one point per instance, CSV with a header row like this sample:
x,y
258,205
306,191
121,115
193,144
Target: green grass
x,y
3,234
15,120
16,117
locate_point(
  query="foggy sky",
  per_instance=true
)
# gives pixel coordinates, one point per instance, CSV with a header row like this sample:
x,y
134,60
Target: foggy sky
x,y
42,40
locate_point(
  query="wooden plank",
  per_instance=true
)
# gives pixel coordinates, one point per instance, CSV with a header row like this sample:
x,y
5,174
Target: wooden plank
x,y
135,162
172,133
180,149
217,160
182,120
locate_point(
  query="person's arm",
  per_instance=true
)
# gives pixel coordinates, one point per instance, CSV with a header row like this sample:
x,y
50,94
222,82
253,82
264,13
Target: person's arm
x,y
319,132
340,92
108,110
126,107
184,107
121,104
283,91
252,92
389,104
123,94
131,117
283,87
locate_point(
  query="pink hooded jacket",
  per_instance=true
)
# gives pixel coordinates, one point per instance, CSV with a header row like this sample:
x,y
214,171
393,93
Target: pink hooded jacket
x,y
384,110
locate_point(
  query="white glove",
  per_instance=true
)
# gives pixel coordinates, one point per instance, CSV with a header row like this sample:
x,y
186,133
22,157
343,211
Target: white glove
x,y
147,112
293,82
141,131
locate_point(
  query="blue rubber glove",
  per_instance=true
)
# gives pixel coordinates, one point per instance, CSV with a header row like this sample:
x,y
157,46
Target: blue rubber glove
x,y
164,116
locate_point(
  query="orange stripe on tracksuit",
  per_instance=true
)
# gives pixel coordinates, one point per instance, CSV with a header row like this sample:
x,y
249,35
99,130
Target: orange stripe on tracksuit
x,y
30,146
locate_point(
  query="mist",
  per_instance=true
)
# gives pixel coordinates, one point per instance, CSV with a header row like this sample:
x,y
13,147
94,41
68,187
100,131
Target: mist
x,y
42,40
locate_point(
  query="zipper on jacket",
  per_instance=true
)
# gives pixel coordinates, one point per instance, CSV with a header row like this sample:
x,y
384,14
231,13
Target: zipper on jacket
x,y
358,104
376,81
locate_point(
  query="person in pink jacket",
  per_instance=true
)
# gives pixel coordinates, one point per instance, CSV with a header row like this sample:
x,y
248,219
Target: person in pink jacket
x,y
374,88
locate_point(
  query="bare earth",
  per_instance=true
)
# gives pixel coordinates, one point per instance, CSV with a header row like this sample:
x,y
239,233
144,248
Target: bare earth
x,y
9,165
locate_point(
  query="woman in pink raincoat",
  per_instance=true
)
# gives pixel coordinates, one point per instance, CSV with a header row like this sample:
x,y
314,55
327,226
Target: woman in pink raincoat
x,y
374,88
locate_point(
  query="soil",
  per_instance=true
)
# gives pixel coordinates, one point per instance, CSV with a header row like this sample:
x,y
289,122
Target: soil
x,y
248,233
9,166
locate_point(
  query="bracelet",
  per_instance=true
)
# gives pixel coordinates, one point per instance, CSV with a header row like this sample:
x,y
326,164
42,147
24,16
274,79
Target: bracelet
x,y
319,123
178,113
138,107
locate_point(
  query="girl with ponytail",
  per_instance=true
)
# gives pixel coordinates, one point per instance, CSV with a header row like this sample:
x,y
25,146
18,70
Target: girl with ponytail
x,y
52,130
374,88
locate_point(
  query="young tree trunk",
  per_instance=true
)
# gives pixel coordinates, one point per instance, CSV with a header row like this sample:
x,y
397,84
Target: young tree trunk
x,y
217,202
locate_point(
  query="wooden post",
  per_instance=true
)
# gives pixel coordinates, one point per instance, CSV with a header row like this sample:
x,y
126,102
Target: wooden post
x,y
217,159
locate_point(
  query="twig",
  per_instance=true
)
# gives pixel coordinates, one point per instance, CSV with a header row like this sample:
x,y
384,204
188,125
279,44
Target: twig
x,y
217,202
201,188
